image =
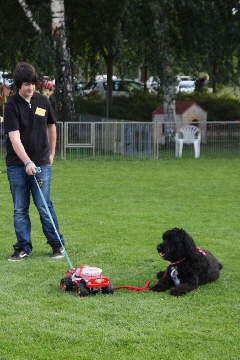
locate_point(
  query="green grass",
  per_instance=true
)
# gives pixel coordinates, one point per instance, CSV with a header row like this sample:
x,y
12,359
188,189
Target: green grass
x,y
113,214
231,90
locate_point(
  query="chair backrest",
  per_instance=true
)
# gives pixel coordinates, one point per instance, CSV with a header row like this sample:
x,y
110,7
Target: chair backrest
x,y
188,133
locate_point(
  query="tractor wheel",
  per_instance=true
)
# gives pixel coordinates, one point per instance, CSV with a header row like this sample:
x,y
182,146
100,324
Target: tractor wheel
x,y
66,284
108,289
81,290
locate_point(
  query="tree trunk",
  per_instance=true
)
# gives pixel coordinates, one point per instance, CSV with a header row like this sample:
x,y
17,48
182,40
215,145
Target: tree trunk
x,y
109,63
165,69
64,82
169,104
65,110
215,77
168,87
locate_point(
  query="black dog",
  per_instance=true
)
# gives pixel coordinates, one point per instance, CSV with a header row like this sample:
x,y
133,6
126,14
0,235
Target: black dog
x,y
190,266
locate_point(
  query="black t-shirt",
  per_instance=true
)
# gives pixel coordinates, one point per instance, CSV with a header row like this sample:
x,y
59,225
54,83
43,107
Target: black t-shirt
x,y
31,120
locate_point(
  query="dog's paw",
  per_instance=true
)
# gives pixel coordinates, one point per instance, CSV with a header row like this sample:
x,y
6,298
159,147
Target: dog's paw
x,y
160,274
155,288
158,288
176,292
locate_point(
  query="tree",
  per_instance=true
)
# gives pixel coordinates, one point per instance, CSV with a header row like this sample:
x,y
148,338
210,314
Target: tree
x,y
163,57
154,43
206,37
101,28
64,89
19,41
166,36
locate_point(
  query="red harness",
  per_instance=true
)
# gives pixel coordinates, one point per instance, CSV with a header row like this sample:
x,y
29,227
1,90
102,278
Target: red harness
x,y
144,288
177,262
201,251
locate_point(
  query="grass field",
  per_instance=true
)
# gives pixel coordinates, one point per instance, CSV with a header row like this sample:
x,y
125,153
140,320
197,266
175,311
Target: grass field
x,y
112,214
232,90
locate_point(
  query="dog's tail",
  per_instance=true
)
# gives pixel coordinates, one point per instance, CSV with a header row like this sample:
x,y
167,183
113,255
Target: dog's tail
x,y
220,266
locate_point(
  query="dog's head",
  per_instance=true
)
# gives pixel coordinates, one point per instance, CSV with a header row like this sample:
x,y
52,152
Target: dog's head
x,y
177,245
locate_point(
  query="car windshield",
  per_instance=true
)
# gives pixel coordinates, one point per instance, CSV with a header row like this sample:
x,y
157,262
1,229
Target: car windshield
x,y
132,85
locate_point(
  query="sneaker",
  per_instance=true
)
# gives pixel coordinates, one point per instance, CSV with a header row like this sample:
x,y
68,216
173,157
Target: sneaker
x,y
57,252
18,255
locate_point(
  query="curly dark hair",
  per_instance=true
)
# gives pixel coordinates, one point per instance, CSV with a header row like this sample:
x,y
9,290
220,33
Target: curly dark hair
x,y
24,72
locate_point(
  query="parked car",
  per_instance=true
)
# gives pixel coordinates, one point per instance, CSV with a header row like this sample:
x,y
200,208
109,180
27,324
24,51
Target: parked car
x,y
153,83
46,83
104,77
184,78
78,85
2,76
8,82
6,78
187,86
120,87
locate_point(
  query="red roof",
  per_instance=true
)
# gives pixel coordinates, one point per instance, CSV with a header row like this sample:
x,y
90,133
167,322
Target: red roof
x,y
181,107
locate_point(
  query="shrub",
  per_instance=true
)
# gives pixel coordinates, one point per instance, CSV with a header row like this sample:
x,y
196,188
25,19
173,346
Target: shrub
x,y
219,108
93,105
139,107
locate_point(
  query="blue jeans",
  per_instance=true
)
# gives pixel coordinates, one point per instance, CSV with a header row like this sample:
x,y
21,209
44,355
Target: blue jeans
x,y
22,186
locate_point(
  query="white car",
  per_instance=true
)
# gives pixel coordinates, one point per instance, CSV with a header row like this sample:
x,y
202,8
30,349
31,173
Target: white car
x,y
153,83
184,78
187,86
120,87
104,77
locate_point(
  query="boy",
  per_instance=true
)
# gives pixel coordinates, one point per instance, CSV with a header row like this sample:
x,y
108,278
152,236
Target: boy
x,y
29,123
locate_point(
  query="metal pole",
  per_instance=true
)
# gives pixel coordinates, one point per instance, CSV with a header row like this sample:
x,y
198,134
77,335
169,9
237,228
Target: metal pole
x,y
107,102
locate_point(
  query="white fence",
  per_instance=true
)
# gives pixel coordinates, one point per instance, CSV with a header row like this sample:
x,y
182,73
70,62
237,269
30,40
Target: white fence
x,y
138,140
143,140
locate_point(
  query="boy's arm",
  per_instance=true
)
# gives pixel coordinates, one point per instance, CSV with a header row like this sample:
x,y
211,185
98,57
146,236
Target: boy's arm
x,y
18,147
52,138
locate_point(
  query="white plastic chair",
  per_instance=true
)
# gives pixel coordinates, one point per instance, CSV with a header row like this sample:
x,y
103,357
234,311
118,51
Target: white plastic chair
x,y
188,134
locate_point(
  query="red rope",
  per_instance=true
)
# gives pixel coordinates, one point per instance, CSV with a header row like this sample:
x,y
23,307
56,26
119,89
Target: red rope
x,y
132,288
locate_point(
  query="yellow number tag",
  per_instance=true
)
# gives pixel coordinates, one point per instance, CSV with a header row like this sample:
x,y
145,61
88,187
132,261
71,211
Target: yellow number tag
x,y
40,111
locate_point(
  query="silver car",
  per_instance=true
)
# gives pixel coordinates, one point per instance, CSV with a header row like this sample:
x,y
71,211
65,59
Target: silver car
x,y
120,87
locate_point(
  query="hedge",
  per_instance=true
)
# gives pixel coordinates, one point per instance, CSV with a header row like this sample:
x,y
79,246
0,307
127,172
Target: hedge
x,y
139,107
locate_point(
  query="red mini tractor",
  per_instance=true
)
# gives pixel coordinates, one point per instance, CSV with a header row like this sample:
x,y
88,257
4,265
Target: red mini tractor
x,y
87,280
